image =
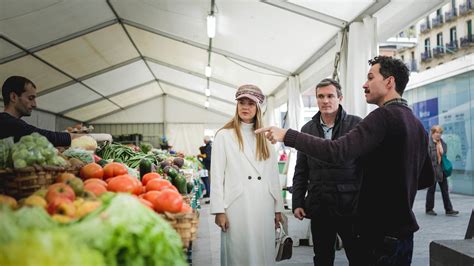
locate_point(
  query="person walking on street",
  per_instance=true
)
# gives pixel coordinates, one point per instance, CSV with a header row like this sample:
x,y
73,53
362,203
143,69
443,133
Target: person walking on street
x,y
394,148
437,149
245,190
332,189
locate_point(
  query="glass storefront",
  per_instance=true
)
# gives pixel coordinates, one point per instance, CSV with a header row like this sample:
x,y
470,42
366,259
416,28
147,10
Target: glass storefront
x,y
450,103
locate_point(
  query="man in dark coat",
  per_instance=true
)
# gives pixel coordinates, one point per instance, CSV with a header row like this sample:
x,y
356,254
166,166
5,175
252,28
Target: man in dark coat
x,y
396,163
333,189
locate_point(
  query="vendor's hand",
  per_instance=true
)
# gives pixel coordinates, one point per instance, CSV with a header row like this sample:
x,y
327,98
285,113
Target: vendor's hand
x,y
299,213
222,222
278,219
273,134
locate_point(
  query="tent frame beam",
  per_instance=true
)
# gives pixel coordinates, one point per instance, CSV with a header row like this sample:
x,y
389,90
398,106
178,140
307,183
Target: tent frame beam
x,y
306,12
206,48
60,40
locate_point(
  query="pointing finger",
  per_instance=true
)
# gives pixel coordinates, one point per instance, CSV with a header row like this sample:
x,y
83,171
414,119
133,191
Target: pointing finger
x,y
263,130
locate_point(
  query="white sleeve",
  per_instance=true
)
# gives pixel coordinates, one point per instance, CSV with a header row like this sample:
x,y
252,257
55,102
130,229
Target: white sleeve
x,y
275,175
218,165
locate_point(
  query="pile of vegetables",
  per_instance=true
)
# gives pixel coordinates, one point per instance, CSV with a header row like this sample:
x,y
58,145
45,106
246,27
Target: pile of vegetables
x,y
5,150
122,232
35,149
124,154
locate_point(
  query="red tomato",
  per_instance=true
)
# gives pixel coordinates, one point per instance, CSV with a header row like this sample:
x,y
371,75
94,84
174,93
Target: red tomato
x,y
168,201
92,170
95,187
158,184
114,169
96,180
146,203
149,176
122,183
151,195
186,208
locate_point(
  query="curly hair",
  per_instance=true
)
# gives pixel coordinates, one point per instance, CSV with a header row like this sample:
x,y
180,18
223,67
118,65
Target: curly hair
x,y
390,66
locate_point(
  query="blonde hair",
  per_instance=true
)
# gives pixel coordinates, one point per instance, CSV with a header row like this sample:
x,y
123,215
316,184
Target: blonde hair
x,y
436,128
263,152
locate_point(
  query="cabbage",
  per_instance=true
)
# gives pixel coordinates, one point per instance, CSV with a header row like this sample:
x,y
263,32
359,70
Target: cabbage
x,y
128,233
84,142
48,248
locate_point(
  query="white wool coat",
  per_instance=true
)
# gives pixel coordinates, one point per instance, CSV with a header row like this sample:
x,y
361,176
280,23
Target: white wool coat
x,y
249,193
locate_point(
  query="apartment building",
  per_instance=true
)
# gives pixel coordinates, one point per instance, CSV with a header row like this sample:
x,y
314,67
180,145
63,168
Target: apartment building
x,y
442,36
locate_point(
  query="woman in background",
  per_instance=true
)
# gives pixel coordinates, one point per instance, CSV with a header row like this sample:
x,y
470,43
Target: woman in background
x,y
437,149
245,191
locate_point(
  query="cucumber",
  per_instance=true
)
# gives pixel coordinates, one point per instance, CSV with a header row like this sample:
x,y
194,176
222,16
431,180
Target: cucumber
x,y
145,167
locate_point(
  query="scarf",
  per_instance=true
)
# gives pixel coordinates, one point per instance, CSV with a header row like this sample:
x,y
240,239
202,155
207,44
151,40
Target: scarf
x,y
439,151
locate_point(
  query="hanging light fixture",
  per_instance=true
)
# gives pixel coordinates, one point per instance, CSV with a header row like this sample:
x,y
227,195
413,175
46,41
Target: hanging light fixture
x,y
206,104
208,71
211,25
208,92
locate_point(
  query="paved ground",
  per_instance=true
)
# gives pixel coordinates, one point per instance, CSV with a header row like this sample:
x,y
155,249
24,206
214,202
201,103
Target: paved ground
x,y
206,247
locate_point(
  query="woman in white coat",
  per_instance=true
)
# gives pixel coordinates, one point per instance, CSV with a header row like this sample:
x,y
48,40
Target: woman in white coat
x,y
245,189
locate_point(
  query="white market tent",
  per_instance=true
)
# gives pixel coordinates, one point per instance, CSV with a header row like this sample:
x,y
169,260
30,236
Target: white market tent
x,y
143,61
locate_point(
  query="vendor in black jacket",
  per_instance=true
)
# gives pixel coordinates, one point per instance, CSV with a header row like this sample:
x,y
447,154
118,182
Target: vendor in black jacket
x,y
396,163
332,189
19,97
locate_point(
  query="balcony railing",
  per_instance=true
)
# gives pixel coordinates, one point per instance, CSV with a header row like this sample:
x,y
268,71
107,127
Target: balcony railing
x,y
438,51
466,8
437,21
411,65
452,47
426,56
467,41
451,15
425,27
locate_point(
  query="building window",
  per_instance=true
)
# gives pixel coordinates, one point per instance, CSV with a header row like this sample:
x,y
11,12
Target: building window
x,y
469,29
412,55
438,12
439,40
453,4
427,45
403,58
452,35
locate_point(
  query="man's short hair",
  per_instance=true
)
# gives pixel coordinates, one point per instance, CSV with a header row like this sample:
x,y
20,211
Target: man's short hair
x,y
207,138
390,66
14,84
328,81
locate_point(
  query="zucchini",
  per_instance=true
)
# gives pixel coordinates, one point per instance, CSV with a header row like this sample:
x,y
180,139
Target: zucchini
x,y
145,167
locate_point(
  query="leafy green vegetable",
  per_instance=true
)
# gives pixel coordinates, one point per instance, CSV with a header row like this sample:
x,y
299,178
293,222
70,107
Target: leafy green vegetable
x,y
48,248
136,236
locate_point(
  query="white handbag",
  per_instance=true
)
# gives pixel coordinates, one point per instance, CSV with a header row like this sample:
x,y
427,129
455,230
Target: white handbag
x,y
283,244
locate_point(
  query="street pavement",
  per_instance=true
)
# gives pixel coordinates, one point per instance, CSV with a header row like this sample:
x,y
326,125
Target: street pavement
x,y
441,227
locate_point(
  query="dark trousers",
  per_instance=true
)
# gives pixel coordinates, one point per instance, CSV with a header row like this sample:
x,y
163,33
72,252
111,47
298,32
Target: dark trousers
x,y
207,185
387,251
324,229
430,196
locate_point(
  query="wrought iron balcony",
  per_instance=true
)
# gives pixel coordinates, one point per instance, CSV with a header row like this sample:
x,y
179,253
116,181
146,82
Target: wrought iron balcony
x,y
451,15
438,51
425,27
452,47
426,56
437,21
467,41
466,8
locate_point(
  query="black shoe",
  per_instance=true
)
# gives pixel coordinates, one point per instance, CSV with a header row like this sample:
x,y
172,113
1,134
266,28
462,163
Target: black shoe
x,y
452,213
431,212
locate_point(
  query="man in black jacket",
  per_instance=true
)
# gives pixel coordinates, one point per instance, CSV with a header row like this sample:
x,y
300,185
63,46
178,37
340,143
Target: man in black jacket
x,y
19,97
396,163
333,189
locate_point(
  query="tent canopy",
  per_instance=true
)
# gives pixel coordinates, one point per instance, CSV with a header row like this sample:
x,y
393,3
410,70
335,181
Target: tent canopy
x,y
97,61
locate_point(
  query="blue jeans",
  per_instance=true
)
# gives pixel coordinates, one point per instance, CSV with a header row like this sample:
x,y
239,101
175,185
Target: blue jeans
x,y
393,251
